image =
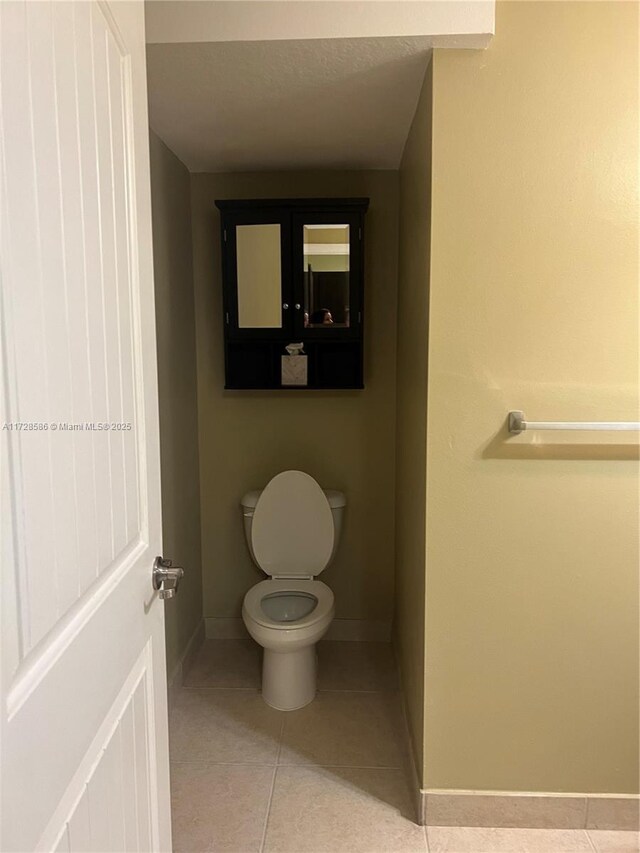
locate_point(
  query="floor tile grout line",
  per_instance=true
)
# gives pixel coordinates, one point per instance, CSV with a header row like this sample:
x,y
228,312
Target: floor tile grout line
x,y
591,842
281,739
273,785
396,768
268,809
426,838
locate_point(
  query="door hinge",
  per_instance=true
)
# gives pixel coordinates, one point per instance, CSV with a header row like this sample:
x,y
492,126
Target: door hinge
x,y
225,235
226,316
359,233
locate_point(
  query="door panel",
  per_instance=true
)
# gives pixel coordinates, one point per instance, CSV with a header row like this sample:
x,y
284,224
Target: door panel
x,y
112,811
84,735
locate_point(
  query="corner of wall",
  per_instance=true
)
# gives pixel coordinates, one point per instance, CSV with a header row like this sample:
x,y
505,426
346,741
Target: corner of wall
x,y
177,393
411,417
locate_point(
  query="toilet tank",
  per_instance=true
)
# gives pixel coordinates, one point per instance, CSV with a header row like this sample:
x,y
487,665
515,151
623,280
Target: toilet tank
x,y
337,502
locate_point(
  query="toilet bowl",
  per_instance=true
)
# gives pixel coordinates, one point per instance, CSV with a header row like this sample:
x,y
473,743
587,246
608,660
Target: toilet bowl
x,y
292,528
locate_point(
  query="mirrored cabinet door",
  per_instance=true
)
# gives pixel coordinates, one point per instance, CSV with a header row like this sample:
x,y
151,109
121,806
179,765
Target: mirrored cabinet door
x,y
326,276
327,270
257,251
259,276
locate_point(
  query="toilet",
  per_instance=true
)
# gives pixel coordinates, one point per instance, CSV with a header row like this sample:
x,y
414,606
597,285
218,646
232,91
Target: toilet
x,y
292,528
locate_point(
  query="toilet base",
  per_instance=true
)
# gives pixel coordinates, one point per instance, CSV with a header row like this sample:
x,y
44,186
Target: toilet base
x,y
289,678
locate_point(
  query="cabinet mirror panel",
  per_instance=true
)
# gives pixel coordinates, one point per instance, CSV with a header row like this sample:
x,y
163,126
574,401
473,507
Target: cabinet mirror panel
x,y
326,276
259,271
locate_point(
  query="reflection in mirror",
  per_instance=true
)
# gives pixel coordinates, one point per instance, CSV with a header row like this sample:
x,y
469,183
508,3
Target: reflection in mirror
x,y
259,276
326,276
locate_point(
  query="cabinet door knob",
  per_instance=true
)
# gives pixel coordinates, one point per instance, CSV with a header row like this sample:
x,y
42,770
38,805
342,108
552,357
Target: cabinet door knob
x,y
285,306
297,306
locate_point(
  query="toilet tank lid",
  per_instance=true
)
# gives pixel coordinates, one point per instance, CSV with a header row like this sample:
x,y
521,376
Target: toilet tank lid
x,y
336,499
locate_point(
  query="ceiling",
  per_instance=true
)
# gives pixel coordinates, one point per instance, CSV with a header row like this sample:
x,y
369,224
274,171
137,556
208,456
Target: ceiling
x,y
286,105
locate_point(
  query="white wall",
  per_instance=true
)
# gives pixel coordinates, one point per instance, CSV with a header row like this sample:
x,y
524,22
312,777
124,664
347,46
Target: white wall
x,y
464,23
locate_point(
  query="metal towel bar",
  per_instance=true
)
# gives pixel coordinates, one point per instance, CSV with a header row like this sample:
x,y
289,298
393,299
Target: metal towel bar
x,y
517,424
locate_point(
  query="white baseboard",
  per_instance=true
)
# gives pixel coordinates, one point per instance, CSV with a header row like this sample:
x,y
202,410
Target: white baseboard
x,y
191,649
530,809
357,630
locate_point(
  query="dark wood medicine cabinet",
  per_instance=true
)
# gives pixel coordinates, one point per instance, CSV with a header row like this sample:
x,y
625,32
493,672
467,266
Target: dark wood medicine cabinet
x,y
293,273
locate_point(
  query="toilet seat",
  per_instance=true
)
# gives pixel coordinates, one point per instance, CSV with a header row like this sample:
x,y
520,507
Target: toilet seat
x,y
293,533
320,591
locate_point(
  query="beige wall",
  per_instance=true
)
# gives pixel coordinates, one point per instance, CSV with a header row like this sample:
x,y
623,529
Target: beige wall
x,y
411,426
175,324
345,439
532,542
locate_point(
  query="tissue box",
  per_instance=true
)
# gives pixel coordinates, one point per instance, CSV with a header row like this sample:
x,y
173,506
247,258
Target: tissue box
x,y
294,370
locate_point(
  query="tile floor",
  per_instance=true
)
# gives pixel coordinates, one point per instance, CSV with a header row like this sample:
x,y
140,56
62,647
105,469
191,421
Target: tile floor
x,y
325,779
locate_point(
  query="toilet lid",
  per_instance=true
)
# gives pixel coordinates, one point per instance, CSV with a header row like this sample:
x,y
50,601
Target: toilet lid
x,y
292,531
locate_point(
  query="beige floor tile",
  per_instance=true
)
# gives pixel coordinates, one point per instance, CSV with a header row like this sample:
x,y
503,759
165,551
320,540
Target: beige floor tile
x,y
445,839
345,729
611,841
226,663
219,807
345,810
233,726
356,666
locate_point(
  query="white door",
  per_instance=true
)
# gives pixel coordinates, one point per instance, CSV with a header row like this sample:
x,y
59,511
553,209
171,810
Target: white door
x,y
84,720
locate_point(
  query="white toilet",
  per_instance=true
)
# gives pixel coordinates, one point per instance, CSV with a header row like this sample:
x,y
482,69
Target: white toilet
x,y
292,528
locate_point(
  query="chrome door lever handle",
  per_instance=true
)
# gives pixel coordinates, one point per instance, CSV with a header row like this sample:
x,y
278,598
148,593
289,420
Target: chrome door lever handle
x,y
166,577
